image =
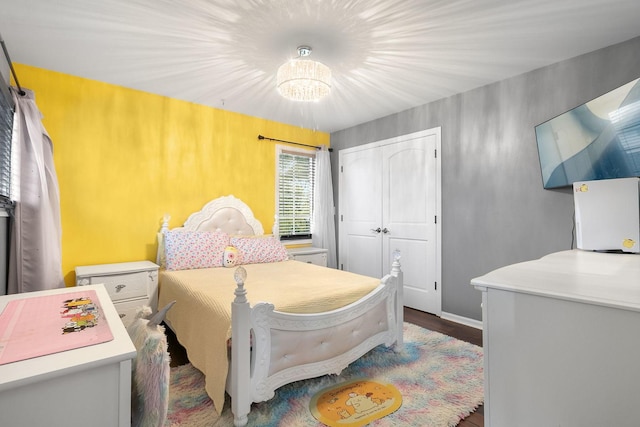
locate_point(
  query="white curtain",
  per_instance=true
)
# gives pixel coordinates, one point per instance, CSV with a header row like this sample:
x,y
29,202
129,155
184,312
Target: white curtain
x,y
323,226
35,259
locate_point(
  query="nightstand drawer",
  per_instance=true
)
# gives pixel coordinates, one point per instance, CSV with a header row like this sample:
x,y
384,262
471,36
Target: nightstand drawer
x,y
124,286
317,259
127,310
310,255
130,285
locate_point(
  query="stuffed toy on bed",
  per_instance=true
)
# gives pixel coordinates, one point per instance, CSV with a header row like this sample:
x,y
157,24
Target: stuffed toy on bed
x,y
150,369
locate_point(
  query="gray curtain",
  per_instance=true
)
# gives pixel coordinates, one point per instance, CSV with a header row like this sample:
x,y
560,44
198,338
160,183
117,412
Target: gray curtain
x,y
35,256
323,228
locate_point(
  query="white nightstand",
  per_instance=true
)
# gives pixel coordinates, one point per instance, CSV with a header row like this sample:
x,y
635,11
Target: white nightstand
x,y
317,256
129,284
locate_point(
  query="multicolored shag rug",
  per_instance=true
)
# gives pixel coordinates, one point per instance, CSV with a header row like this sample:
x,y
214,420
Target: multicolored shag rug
x,y
440,379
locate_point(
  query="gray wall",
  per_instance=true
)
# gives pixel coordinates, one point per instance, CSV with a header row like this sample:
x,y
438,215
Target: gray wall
x,y
495,210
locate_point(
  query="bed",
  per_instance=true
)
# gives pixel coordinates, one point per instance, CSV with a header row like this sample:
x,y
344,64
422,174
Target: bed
x,y
307,320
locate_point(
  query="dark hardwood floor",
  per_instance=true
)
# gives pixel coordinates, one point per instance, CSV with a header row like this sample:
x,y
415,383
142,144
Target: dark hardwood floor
x,y
176,350
425,320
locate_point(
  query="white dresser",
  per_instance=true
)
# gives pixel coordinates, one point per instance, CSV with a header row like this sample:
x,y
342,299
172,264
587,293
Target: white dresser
x,y
129,284
308,254
561,341
88,385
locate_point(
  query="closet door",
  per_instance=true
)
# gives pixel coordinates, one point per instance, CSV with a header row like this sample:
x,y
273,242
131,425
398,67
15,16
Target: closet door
x,y
389,200
409,218
361,212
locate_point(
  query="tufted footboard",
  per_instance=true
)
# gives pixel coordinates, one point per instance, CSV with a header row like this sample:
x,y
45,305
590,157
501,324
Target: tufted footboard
x,y
271,349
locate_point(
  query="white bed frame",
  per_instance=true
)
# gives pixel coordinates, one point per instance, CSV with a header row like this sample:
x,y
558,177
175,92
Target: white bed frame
x,y
266,346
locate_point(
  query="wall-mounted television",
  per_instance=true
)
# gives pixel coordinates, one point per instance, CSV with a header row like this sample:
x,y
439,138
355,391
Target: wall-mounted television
x,y
596,140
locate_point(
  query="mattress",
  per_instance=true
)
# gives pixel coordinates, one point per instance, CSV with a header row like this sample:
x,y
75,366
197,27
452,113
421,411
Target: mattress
x,y
201,317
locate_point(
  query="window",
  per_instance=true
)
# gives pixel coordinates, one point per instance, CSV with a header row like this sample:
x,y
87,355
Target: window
x,y
294,192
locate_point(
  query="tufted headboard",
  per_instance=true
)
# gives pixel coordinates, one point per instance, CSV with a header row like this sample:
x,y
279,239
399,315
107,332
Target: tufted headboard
x,y
227,213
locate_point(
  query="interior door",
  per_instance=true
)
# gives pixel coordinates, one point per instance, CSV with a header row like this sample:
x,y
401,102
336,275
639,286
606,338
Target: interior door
x,y
361,212
390,199
409,218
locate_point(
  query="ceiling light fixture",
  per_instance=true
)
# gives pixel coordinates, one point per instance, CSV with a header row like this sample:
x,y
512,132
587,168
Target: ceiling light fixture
x,y
303,79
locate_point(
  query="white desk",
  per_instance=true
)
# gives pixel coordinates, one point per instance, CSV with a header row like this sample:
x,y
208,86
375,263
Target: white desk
x,y
561,341
89,385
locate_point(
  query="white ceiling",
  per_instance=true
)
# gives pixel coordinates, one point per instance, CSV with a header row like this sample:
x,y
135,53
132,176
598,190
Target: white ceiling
x,y
386,55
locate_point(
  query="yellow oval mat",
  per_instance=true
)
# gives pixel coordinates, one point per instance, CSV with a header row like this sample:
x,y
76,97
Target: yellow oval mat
x,y
355,403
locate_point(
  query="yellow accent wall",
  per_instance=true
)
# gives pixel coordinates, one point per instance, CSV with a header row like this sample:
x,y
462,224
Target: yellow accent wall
x,y
124,158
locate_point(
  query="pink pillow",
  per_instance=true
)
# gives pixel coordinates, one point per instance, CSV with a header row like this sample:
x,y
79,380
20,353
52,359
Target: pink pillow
x,y
187,250
255,250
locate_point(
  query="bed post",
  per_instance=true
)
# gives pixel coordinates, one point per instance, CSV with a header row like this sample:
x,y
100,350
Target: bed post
x,y
165,227
275,230
240,352
397,273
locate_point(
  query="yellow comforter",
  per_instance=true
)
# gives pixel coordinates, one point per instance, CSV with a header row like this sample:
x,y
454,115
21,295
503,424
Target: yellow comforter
x,y
201,316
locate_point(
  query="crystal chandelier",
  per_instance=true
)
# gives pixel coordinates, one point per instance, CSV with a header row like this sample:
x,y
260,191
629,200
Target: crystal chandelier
x,y
302,79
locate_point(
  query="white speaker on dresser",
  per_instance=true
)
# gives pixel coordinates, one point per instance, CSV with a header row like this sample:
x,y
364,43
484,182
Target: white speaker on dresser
x,y
607,214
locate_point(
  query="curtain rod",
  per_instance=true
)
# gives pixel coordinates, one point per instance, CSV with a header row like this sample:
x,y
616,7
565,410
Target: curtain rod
x,y
15,77
294,143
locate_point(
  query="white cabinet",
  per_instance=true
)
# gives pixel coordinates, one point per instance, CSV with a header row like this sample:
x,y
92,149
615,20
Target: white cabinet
x,y
129,284
390,200
311,255
87,385
559,339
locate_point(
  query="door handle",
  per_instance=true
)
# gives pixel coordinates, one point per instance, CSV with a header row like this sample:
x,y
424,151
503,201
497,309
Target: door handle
x,y
385,231
376,230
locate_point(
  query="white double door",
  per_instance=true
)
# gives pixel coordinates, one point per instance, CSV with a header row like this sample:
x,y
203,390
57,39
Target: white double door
x,y
389,198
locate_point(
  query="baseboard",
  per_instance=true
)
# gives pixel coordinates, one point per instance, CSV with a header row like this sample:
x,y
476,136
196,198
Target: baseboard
x,y
462,320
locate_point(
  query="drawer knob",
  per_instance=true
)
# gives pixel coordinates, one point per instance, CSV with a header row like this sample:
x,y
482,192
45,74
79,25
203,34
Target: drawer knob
x,y
122,315
120,287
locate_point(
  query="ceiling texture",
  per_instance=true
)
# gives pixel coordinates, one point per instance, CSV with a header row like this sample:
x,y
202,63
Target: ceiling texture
x,y
386,56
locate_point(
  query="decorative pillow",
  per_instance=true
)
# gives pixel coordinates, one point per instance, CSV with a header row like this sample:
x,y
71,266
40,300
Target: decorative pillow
x,y
187,250
255,250
231,257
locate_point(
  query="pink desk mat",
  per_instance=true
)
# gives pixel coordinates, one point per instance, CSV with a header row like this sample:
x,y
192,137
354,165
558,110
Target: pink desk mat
x,y
33,327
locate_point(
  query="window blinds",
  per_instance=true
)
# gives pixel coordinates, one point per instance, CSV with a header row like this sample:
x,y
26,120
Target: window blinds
x,y
6,132
296,174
